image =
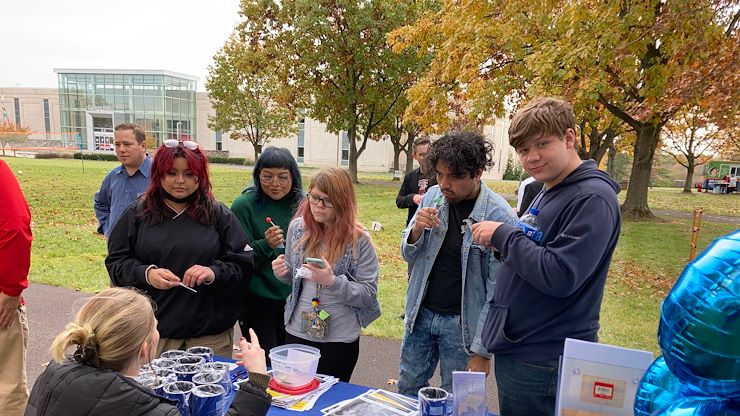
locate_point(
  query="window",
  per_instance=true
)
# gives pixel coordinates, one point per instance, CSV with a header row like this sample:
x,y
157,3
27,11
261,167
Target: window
x,y
219,140
344,161
47,117
301,139
17,104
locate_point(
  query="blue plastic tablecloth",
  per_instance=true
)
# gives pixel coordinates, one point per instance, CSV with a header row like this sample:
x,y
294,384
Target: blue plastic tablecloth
x,y
337,393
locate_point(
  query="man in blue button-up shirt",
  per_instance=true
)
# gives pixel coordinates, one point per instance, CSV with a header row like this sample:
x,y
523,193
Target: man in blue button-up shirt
x,y
125,183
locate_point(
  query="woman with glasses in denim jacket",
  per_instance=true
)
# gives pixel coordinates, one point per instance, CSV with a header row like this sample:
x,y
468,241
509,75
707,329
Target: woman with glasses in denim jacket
x,y
265,209
332,267
184,249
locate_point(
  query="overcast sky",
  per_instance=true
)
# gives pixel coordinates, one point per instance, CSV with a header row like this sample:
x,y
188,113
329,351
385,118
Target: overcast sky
x,y
37,36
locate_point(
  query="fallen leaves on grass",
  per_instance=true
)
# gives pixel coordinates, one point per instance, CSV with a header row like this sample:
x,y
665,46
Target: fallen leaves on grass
x,y
632,279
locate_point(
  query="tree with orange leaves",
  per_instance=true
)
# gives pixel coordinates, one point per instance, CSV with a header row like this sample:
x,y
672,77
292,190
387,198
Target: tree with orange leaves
x,y
12,134
642,61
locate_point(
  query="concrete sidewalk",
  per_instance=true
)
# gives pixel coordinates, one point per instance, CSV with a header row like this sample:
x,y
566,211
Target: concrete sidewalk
x,y
50,308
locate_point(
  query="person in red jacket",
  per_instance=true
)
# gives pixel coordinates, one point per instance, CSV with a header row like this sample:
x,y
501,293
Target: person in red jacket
x,y
15,259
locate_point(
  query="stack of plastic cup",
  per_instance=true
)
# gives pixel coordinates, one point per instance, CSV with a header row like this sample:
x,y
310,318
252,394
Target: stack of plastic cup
x,y
207,400
185,372
163,363
205,352
173,354
191,359
180,391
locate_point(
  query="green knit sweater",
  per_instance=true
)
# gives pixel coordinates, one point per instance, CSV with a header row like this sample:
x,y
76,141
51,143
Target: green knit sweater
x,y
253,220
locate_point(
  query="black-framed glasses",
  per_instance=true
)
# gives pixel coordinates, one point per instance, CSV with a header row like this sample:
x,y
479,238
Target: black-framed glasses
x,y
268,179
315,199
174,143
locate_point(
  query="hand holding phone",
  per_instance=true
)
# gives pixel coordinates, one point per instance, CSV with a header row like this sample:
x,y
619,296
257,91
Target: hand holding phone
x,y
322,272
316,262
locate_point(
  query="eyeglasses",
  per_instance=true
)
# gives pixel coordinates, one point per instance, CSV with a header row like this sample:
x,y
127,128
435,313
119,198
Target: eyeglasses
x,y
174,143
268,179
314,200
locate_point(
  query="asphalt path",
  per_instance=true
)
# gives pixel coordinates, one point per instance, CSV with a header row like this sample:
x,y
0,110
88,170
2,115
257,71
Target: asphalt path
x,y
50,308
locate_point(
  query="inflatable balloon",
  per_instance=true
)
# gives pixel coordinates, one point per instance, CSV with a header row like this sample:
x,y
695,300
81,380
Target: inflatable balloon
x,y
699,336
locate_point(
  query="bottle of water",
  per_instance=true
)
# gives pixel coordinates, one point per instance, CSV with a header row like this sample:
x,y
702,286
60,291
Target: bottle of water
x,y
528,224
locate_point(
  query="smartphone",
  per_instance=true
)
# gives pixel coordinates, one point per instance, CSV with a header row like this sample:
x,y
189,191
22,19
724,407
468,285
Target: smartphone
x,y
315,262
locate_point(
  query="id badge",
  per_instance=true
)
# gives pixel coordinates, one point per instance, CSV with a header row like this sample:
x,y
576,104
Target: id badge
x,y
312,325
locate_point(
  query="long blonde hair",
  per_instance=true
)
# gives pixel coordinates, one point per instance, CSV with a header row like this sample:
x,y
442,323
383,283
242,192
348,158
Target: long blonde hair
x,y
333,238
109,329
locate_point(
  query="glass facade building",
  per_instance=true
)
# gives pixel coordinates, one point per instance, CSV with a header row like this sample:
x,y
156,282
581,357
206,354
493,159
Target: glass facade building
x,y
92,102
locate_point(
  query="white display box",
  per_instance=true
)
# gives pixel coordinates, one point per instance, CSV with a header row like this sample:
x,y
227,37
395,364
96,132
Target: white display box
x,y
599,379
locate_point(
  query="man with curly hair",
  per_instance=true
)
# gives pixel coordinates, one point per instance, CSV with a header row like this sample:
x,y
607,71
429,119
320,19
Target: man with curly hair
x,y
452,279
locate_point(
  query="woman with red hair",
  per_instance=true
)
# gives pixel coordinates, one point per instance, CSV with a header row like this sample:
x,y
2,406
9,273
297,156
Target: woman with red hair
x,y
184,249
332,267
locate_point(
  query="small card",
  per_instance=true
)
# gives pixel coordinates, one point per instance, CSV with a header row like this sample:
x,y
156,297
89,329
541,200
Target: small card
x,y
323,315
469,393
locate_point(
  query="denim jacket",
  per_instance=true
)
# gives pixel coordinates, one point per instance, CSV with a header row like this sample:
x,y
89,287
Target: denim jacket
x,y
479,264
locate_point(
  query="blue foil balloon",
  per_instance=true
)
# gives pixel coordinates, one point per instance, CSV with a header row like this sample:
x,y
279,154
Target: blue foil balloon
x,y
658,389
699,335
702,406
699,332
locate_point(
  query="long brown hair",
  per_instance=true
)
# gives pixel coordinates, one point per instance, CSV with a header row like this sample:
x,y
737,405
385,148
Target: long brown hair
x,y
333,238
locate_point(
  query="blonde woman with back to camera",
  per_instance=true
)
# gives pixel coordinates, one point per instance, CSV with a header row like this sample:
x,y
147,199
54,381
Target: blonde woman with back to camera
x,y
112,336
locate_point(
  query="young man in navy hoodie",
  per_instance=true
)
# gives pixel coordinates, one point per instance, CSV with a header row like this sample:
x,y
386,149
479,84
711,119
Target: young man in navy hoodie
x,y
549,288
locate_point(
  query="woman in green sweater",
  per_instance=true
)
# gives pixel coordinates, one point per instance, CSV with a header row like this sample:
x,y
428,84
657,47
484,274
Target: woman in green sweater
x,y
265,210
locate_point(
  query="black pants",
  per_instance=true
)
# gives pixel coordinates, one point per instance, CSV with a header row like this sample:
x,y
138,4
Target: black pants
x,y
265,317
338,359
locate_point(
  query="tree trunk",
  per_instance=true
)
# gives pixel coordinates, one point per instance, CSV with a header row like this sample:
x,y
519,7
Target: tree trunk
x,y
582,150
600,147
636,203
353,156
611,162
257,150
409,149
396,152
687,184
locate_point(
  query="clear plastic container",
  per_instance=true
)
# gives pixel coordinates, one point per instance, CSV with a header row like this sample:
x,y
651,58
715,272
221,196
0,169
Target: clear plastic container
x,y
294,365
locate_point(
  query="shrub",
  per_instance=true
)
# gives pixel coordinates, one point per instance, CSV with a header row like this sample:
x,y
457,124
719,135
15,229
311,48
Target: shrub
x,y
98,156
211,159
53,155
230,160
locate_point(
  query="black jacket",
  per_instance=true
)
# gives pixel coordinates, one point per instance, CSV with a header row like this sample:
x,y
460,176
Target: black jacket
x,y
177,244
72,389
413,183
530,192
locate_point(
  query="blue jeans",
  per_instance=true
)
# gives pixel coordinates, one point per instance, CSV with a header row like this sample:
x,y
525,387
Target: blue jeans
x,y
526,388
436,338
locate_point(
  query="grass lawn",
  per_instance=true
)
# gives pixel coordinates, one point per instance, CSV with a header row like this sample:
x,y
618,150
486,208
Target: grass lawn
x,y
650,255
